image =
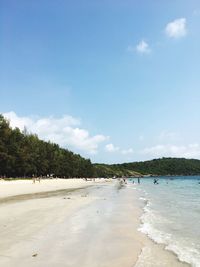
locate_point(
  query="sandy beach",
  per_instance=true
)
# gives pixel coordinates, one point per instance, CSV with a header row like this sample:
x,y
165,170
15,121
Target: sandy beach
x,y
72,223
84,223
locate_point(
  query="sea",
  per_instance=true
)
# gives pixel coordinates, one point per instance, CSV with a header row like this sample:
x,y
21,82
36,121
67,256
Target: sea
x,y
171,215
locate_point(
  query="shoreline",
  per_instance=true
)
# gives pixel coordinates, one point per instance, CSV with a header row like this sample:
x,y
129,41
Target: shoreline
x,y
71,228
92,224
155,254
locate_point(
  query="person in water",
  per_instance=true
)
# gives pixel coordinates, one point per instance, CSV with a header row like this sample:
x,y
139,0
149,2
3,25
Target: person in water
x,y
155,181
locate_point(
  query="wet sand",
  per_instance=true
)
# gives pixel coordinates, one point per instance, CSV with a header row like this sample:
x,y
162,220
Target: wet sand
x,y
94,226
83,224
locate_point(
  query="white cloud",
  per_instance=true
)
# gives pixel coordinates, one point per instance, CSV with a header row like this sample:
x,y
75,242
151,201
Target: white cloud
x,y
176,28
186,151
111,148
143,47
127,151
63,131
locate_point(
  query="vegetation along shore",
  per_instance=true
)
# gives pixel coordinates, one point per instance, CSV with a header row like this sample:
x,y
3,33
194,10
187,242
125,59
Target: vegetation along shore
x,y
23,154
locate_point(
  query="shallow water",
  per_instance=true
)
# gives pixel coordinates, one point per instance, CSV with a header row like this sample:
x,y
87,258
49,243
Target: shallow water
x,y
172,215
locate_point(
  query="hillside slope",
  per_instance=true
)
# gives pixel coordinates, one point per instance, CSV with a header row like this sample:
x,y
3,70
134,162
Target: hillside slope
x,y
163,166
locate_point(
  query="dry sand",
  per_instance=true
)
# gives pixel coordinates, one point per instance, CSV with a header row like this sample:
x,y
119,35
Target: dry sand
x,y
72,223
89,227
20,187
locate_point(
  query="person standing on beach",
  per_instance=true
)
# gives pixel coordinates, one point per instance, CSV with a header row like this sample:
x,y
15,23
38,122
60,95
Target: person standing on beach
x,y
138,180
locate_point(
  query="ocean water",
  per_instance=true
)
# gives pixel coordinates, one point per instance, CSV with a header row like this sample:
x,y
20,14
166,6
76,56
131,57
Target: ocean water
x,y
172,215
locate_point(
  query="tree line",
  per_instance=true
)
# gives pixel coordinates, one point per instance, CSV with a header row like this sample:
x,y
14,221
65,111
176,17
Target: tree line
x,y
166,166
162,166
23,154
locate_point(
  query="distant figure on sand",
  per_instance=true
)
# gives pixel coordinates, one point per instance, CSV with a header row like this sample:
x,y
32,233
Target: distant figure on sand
x,y
124,179
36,179
138,180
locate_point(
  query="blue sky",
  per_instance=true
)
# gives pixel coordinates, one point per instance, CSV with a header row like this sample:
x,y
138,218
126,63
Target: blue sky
x,y
115,81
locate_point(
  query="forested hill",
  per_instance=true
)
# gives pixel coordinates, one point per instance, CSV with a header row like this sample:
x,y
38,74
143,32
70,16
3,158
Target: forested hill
x,y
23,154
163,166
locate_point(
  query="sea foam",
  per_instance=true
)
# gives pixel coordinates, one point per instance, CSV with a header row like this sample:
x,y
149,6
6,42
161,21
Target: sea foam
x,y
161,224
